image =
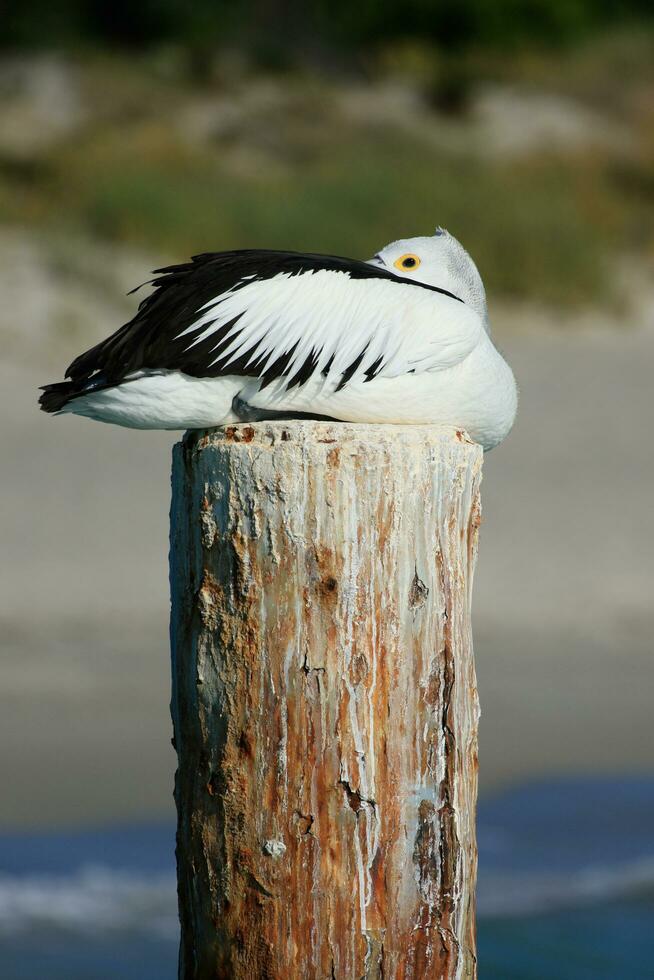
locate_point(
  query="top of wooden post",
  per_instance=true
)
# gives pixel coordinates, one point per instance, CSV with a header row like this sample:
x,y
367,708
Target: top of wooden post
x,y
307,432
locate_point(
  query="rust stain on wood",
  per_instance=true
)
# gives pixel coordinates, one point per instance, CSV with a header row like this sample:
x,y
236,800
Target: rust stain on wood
x,y
238,433
325,701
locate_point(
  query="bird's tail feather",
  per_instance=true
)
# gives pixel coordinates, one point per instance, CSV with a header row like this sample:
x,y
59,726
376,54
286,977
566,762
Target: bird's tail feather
x,y
55,397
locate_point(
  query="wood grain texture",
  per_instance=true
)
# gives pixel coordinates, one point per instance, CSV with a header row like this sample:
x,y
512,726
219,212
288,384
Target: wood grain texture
x,y
324,701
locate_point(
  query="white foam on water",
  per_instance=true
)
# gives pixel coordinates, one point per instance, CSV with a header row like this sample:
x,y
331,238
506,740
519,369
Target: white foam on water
x,y
530,893
91,899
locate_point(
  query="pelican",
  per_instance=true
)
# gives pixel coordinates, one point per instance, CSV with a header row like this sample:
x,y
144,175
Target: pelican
x,y
401,338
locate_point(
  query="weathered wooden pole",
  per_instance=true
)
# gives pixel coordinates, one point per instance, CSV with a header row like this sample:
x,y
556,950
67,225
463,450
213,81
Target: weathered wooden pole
x,y
324,701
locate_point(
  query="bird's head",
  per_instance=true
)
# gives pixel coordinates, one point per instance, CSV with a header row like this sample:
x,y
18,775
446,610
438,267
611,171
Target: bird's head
x,y
437,261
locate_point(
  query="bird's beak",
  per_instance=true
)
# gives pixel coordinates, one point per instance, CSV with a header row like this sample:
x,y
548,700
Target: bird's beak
x,y
375,260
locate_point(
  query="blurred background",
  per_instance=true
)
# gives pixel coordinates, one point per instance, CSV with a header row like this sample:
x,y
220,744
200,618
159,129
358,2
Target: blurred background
x,y
133,135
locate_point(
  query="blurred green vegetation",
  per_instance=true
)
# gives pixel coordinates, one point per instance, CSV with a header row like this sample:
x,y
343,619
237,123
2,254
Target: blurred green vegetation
x,y
319,25
531,227
264,147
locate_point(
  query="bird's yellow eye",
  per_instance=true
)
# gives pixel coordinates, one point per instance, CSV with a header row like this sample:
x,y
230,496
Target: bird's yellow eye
x,y
407,263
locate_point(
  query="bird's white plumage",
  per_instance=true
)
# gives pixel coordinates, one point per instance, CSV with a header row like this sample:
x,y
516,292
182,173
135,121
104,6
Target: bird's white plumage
x,y
356,348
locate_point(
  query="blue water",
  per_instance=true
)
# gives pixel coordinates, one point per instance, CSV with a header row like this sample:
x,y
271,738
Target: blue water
x,y
611,941
566,891
62,957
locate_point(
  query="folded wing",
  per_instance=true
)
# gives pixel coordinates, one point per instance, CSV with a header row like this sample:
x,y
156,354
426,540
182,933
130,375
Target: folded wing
x,y
274,316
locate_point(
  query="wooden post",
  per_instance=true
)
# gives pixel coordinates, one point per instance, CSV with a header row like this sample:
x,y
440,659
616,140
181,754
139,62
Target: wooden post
x,y
324,701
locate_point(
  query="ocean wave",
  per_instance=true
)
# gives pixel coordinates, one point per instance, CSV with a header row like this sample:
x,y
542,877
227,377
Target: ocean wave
x,y
96,899
523,894
91,899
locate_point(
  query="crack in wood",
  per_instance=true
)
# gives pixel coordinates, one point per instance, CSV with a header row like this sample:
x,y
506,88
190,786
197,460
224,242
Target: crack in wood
x,y
418,592
355,799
